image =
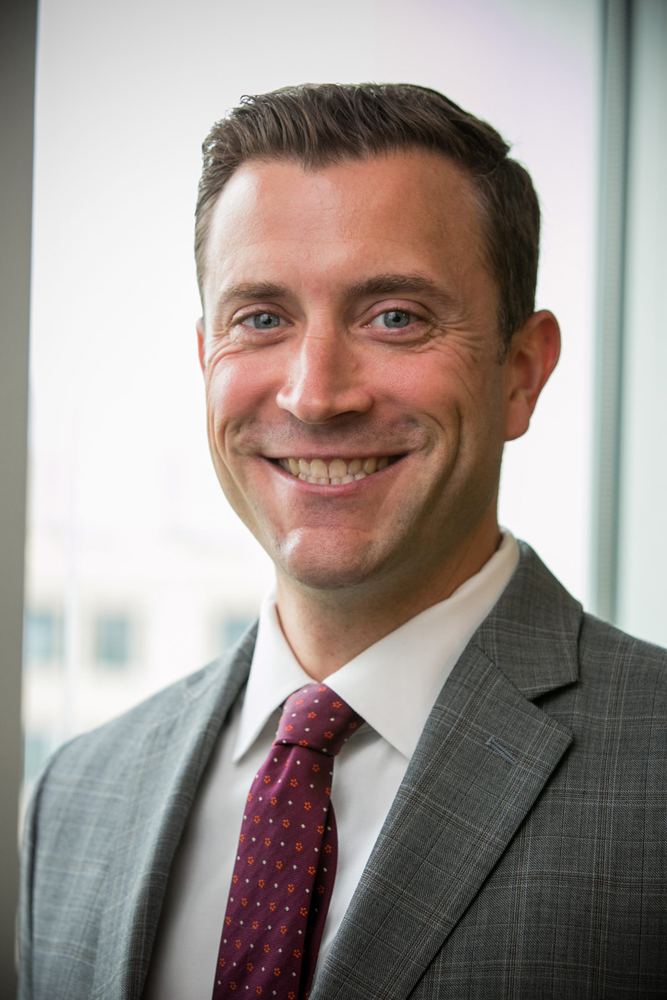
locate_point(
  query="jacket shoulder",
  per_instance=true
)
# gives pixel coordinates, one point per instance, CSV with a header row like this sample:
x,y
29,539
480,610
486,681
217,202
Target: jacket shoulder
x,y
118,736
129,782
628,668
114,745
597,634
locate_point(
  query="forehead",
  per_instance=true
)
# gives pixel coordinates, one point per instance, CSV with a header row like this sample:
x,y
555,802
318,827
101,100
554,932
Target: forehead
x,y
401,212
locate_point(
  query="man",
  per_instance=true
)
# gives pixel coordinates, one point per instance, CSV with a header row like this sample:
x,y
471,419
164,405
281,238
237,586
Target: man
x,y
367,260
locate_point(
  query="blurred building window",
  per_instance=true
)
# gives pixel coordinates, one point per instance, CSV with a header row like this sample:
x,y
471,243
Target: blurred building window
x,y
42,636
113,634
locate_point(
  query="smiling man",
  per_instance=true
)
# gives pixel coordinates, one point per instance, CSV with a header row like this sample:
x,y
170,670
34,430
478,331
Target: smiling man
x,y
357,406
426,773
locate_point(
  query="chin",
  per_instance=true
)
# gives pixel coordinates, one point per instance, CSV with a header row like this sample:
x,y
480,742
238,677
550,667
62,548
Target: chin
x,y
326,566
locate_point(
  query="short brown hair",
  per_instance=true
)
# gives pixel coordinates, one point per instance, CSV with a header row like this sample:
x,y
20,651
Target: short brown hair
x,y
321,124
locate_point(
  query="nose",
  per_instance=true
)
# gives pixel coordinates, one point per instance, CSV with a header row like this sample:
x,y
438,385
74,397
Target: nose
x,y
324,378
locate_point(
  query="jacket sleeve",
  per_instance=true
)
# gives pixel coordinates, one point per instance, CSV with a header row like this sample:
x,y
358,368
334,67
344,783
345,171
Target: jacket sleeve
x,y
26,894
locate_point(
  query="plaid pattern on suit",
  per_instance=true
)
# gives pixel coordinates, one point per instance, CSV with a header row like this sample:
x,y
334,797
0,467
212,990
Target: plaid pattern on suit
x,y
525,855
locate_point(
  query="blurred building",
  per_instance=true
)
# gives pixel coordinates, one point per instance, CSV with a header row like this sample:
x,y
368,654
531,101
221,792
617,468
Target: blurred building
x,y
113,617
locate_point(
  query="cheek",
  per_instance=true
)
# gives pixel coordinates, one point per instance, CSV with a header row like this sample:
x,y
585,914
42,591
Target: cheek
x,y
235,388
462,397
426,385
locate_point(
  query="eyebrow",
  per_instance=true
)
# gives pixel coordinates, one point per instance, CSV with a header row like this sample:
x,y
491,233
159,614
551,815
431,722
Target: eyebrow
x,y
254,290
379,284
399,284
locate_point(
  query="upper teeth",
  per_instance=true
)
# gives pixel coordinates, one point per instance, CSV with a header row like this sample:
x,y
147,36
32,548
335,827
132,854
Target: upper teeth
x,y
339,470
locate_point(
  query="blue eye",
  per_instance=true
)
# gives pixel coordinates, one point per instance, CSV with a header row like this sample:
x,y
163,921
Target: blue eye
x,y
263,321
396,319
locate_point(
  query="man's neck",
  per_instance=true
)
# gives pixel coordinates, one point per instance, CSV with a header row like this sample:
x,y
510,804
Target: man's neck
x,y
327,629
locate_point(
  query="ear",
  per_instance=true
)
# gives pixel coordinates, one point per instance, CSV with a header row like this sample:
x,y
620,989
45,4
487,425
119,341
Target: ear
x,y
201,343
532,356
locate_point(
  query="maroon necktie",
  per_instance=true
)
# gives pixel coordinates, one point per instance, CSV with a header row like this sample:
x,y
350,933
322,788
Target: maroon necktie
x,y
286,861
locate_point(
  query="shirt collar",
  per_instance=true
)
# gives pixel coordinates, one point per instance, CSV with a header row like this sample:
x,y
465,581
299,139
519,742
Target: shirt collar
x,y
275,673
394,700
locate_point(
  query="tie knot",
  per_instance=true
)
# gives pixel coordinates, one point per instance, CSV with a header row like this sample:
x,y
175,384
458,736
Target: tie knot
x,y
316,717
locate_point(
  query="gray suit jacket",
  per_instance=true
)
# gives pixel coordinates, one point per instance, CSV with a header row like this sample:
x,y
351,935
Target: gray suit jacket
x,y
524,856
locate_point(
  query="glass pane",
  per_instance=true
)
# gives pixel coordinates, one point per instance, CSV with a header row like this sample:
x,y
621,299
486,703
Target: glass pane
x,y
41,640
112,641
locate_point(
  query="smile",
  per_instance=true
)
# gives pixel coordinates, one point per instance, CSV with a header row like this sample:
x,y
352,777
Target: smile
x,y
336,472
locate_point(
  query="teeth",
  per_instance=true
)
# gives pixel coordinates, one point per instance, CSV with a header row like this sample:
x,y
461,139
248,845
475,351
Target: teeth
x,y
337,472
318,469
337,468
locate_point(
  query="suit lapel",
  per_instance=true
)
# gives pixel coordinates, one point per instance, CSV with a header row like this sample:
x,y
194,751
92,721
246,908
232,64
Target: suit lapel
x,y
174,752
485,755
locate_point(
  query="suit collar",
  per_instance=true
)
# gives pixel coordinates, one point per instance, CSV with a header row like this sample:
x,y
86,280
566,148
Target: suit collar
x,y
485,755
394,701
535,612
174,749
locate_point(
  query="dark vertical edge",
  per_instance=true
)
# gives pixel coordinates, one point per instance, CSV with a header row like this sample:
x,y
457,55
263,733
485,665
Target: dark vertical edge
x,y
613,176
18,32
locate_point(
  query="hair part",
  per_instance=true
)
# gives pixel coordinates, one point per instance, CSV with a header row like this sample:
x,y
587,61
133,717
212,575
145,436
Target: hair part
x,y
319,125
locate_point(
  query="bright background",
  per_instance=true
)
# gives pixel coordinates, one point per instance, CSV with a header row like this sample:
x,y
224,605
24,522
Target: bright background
x,y
138,571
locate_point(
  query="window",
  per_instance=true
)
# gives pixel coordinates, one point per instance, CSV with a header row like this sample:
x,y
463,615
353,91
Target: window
x,y
42,633
112,641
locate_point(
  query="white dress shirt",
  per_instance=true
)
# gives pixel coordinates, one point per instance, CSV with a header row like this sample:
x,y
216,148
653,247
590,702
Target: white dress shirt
x,y
393,685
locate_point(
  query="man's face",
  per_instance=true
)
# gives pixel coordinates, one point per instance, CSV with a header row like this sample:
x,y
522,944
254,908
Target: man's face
x,y
350,324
